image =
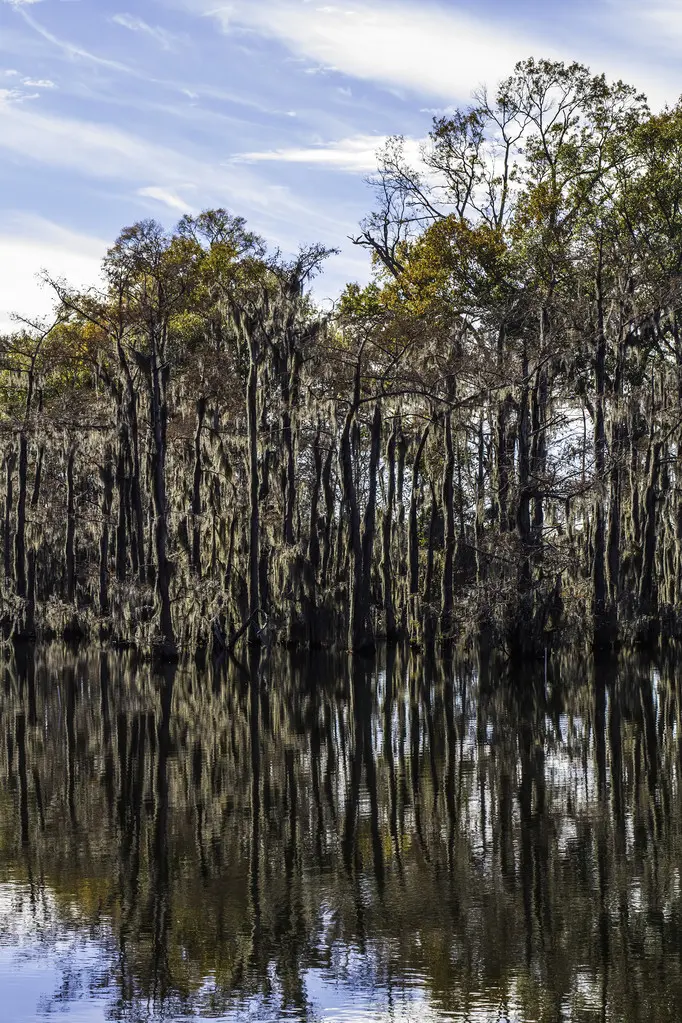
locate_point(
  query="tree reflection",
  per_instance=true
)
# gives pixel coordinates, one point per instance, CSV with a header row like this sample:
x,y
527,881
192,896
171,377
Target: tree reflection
x,y
489,839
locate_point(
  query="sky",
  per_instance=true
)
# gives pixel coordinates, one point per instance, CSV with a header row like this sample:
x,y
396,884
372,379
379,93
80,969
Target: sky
x,y
112,111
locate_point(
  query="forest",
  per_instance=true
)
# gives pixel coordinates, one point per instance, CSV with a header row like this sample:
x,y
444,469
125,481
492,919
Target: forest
x,y
486,439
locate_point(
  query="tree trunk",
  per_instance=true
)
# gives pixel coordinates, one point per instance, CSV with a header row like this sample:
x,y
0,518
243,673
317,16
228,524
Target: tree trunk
x,y
363,639
647,582
20,536
449,544
313,533
35,496
10,462
254,510
196,490
30,622
107,499
289,388
70,547
413,537
369,527
159,415
431,545
599,606
357,622
402,452
501,441
329,505
614,522
539,452
387,535
134,441
122,485
480,504
523,518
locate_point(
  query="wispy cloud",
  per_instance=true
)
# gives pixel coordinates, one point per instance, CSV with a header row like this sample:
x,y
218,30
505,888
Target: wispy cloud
x,y
166,197
39,83
71,50
100,151
355,155
654,26
432,49
96,150
435,49
15,96
166,40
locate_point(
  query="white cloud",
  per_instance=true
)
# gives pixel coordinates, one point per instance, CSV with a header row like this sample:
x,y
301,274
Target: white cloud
x,y
39,83
134,24
88,148
657,23
15,96
355,155
29,244
424,47
436,50
166,197
104,152
70,50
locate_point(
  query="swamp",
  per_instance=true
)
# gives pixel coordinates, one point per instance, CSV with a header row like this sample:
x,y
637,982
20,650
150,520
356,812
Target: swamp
x,y
339,644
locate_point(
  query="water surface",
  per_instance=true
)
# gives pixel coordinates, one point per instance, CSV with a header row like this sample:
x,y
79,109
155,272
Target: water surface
x,y
310,840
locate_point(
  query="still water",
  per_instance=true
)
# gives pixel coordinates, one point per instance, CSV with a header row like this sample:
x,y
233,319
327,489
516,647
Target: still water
x,y
316,841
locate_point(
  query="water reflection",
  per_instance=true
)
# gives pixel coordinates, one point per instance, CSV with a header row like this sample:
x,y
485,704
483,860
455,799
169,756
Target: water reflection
x,y
322,840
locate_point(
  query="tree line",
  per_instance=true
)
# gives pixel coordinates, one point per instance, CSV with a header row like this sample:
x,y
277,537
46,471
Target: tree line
x,y
487,436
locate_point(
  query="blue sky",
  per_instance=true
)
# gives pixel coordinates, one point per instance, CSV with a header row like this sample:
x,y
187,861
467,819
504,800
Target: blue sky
x,y
115,110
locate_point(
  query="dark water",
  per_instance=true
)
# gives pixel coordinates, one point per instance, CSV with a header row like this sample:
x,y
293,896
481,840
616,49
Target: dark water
x,y
411,841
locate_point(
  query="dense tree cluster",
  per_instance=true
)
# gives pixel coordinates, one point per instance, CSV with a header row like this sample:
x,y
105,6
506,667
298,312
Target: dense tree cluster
x,y
490,433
